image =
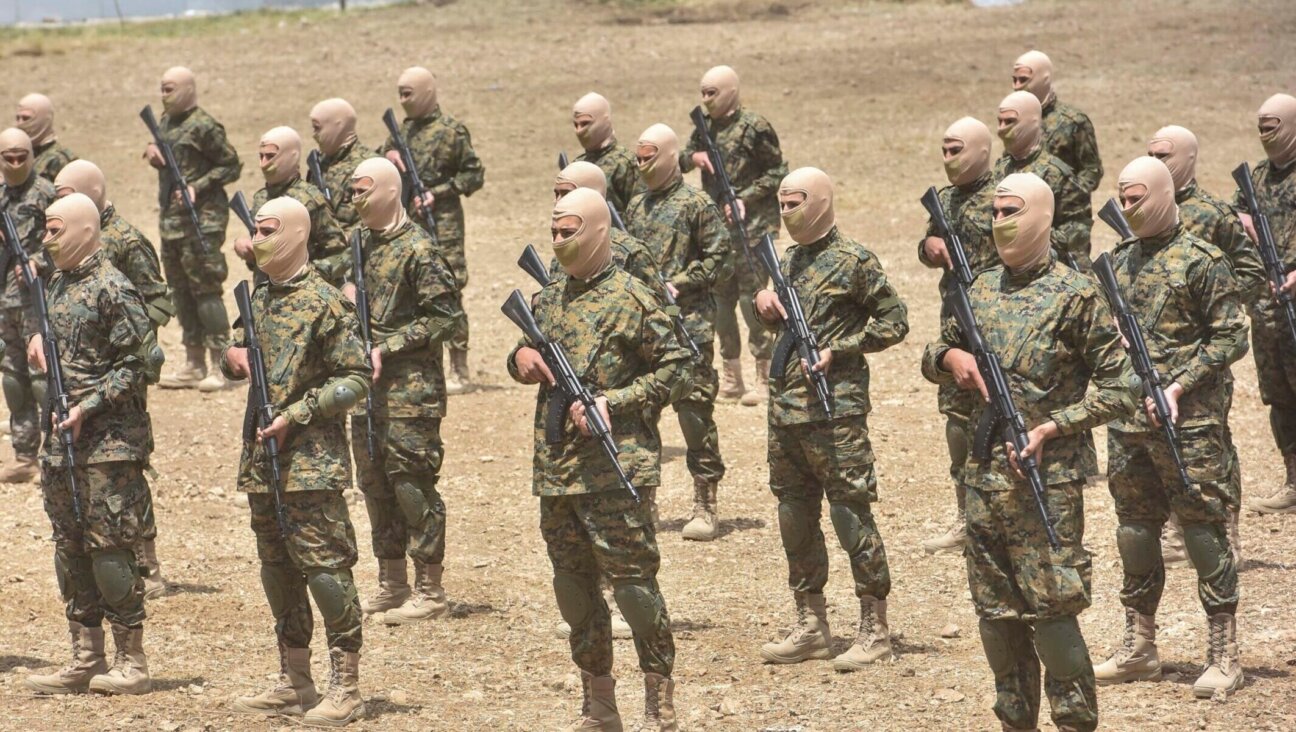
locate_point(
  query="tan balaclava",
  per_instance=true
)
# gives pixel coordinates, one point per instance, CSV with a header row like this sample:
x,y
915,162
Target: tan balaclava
x,y
284,145
1157,212
337,122
598,133
1021,137
724,81
83,176
422,100
1023,238
814,217
39,126
380,207
1182,156
662,169
80,235
581,174
589,251
282,255
1041,68
184,96
1280,143
15,140
973,161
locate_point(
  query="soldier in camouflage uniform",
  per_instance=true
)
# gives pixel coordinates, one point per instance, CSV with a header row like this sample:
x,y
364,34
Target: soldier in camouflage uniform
x,y
1024,152
451,170
413,306
591,525
134,256
592,118
1275,355
853,310
36,118
1067,132
25,196
1027,594
333,123
208,163
1183,292
966,202
104,335
754,162
684,228
315,373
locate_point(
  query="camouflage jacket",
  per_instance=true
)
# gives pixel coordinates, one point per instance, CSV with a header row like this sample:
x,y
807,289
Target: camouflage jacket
x,y
968,210
1215,221
1276,192
337,169
134,256
309,337
413,304
622,346
682,226
26,205
447,164
631,255
621,170
50,159
1072,213
1183,293
1055,337
208,163
1069,136
754,162
852,309
330,253
103,335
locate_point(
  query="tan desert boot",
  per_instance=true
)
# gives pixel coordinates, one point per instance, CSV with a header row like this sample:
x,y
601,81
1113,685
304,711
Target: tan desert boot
x,y
1223,674
426,602
951,541
87,662
293,694
215,380
1284,500
759,391
155,584
705,524
24,469
598,705
659,705
393,587
731,380
1136,659
129,674
809,639
458,377
873,642
193,371
343,704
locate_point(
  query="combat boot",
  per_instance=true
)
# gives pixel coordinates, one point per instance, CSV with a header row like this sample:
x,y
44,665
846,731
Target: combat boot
x,y
1173,551
155,584
659,705
1283,501
809,639
872,642
458,378
704,524
950,541
426,602
293,693
214,380
87,662
193,371
24,469
1136,659
598,705
731,380
129,674
343,704
1223,669
393,587
759,392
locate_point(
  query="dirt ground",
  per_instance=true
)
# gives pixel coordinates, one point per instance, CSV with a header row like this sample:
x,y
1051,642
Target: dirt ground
x,y
862,90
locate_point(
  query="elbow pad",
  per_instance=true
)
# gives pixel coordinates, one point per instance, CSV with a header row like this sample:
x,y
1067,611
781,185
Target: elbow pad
x,y
340,395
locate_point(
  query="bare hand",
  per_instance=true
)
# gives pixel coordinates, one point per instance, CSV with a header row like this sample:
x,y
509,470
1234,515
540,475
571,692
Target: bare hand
x,y
237,360
278,431
349,291
703,161
967,376
742,211
395,157
192,197
424,203
769,308
825,360
1289,283
74,421
531,367
935,252
1249,225
375,357
1172,394
577,412
36,353
673,290
154,156
1035,440
243,248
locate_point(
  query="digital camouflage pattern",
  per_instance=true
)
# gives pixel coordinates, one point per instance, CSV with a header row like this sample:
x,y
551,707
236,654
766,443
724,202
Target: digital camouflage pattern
x,y
337,169
26,204
621,170
134,256
1072,212
1213,220
407,449
50,159
1067,133
208,163
754,162
330,252
733,294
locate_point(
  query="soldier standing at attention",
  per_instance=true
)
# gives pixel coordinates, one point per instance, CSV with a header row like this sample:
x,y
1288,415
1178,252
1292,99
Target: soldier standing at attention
x,y
104,335
36,118
333,123
754,162
1067,132
684,228
208,163
451,170
592,118
315,373
853,310
591,524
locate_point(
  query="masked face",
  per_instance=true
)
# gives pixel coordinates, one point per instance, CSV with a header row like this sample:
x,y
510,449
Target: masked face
x,y
966,151
179,90
82,176
658,157
376,194
806,205
592,120
1033,72
71,230
580,229
1277,126
333,123
418,92
1177,148
1147,196
720,92
36,118
280,155
1023,219
1019,123
580,174
279,245
16,157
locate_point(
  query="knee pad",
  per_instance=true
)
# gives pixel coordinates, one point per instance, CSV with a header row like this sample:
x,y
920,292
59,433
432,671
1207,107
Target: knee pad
x,y
641,605
1207,547
212,315
115,575
850,530
573,593
333,590
15,392
998,638
413,504
70,571
1061,648
693,424
278,582
795,525
1140,548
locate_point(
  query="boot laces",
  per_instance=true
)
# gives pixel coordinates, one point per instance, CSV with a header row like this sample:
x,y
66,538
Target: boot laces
x,y
1218,640
803,622
336,691
867,627
1127,643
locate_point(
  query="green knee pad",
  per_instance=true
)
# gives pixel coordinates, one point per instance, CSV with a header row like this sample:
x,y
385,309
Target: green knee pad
x,y
212,315
1207,547
15,393
693,424
115,574
1140,548
278,582
641,606
413,503
795,525
573,594
1002,641
1061,648
39,390
850,530
334,591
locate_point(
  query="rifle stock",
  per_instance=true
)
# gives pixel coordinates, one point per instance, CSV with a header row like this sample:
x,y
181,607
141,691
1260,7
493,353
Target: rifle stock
x,y
315,174
531,263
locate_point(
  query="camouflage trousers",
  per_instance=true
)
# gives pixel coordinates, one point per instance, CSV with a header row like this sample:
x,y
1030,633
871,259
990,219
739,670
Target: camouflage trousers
x,y
94,558
22,393
808,461
399,486
197,283
696,409
607,534
1146,488
1275,360
316,558
1028,596
735,293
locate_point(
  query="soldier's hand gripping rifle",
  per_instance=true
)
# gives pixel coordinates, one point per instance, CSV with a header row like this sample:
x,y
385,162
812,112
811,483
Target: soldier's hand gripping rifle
x,y
58,404
1132,332
362,314
411,170
677,319
178,182
567,388
796,331
721,177
315,175
260,410
1275,268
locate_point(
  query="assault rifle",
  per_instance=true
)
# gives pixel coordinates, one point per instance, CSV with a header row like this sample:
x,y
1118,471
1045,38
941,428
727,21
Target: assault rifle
x,y
411,170
362,314
238,204
726,189
177,178
260,410
796,331
1275,268
315,175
